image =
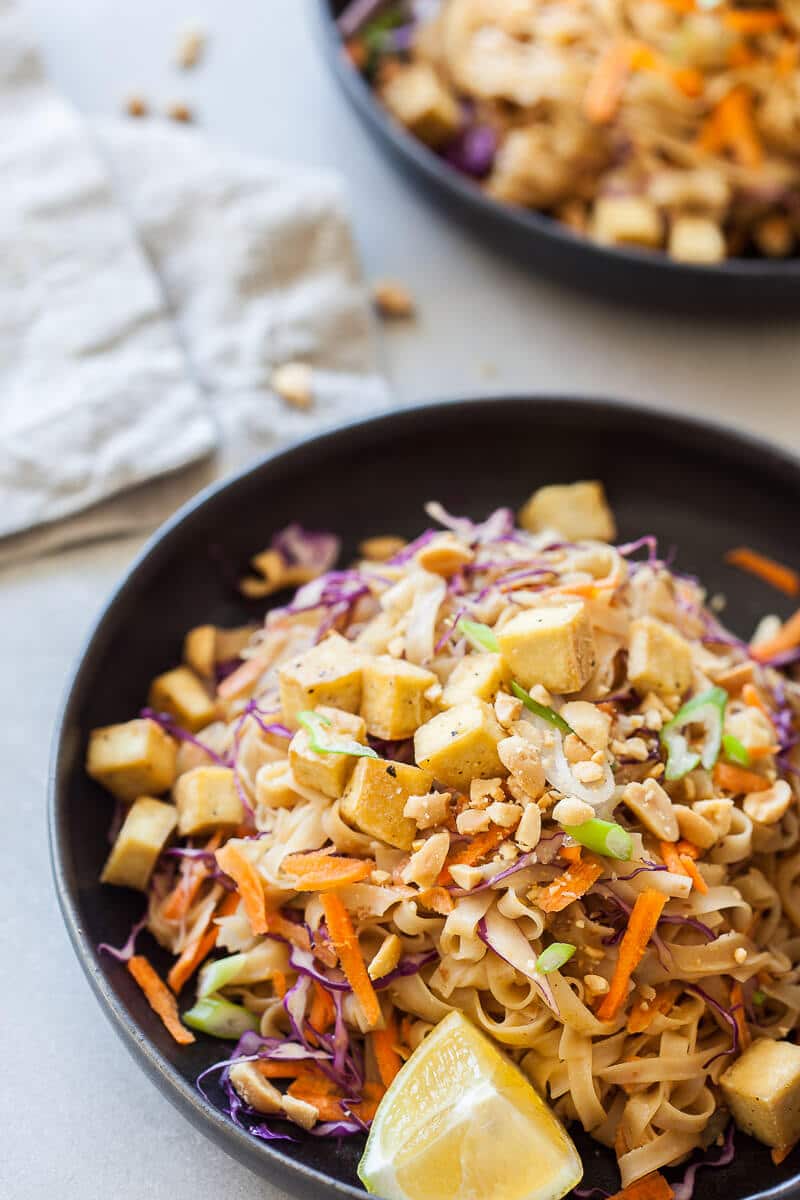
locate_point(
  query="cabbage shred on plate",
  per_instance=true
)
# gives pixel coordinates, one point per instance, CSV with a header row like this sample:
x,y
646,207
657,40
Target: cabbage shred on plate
x,y
514,770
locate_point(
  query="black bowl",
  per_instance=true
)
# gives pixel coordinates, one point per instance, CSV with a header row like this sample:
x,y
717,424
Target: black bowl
x,y
697,486
751,287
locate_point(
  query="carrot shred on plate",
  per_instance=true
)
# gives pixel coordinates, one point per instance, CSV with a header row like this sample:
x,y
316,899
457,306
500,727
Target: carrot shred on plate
x,y
196,951
344,939
738,1014
194,873
693,871
296,935
672,858
750,22
317,872
471,852
650,1187
233,862
645,1011
607,84
322,1013
160,999
571,885
787,638
731,127
739,780
571,854
436,898
775,573
752,698
641,927
384,1045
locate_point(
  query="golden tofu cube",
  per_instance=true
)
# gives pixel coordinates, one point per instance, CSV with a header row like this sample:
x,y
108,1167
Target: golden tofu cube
x,y
139,842
577,511
199,648
207,799
181,694
627,219
325,772
419,100
460,745
376,796
393,700
762,1089
552,645
476,677
275,786
132,759
659,659
329,673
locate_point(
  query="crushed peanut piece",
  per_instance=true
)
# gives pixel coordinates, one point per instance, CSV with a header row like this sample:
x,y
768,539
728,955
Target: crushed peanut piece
x,y
529,830
466,877
740,955
190,49
387,957
596,984
429,810
507,816
588,772
294,383
634,748
576,750
392,299
425,864
136,106
472,820
382,548
444,555
572,811
483,791
180,112
507,709
541,695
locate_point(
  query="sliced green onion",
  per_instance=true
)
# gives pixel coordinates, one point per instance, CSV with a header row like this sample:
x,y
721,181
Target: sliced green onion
x,y
603,837
214,976
554,957
735,751
479,636
316,725
707,709
759,997
542,710
221,1018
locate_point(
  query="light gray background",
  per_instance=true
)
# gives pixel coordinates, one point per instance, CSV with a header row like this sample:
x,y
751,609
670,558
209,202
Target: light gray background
x,y
79,1119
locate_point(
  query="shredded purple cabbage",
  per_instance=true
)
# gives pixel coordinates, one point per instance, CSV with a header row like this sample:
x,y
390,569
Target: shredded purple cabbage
x,y
497,526
684,1189
650,541
412,964
300,547
727,1016
125,952
171,726
473,151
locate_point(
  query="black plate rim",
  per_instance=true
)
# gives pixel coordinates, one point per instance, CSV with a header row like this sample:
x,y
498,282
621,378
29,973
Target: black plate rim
x,y
201,1113
524,220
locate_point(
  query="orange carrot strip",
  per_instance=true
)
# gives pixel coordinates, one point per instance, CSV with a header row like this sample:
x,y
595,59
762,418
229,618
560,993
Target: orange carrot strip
x,y
279,984
436,898
318,872
693,872
672,859
200,947
787,638
738,779
739,1016
248,883
297,935
343,936
731,127
779,1153
571,854
607,84
330,1106
752,697
649,1187
472,852
775,573
641,927
763,751
322,1013
571,885
749,22
161,1001
193,876
740,55
688,848
643,1014
384,1043
242,679
786,58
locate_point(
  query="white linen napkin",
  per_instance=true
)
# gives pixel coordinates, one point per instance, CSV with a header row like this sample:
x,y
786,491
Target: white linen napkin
x,y
149,284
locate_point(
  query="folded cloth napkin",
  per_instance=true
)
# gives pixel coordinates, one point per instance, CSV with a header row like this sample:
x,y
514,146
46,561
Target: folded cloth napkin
x,y
149,284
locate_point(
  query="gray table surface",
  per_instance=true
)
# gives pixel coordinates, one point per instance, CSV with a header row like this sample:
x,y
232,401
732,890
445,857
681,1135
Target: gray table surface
x,y
80,1119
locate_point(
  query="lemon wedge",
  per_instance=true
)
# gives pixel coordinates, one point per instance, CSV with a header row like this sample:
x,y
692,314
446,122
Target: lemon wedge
x,y
461,1122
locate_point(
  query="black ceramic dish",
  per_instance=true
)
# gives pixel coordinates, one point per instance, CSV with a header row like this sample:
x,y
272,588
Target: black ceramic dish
x,y
697,486
751,287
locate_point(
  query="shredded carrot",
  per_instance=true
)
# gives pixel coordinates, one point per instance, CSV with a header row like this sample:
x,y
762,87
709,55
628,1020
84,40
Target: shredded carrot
x,y
740,55
643,1013
436,898
739,780
293,1068
200,947
764,751
752,698
384,1043
607,84
775,573
686,80
161,1001
752,21
787,638
779,1153
322,1013
248,882
571,854
194,873
320,872
641,927
356,51
786,58
739,1015
731,127
693,871
279,984
571,885
688,848
282,927
242,679
330,1106
650,1187
672,859
471,852
343,936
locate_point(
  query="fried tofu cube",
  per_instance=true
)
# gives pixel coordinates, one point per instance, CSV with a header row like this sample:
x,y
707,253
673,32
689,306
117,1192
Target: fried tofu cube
x,y
696,240
329,673
207,799
139,842
393,701
575,510
376,796
326,773
659,659
762,1089
199,647
275,786
419,100
551,645
634,220
181,694
477,676
133,759
460,745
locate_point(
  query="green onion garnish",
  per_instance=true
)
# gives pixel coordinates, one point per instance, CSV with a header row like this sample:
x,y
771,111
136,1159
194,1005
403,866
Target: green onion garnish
x,y
316,725
479,636
218,974
554,957
603,837
220,1018
735,751
759,997
542,710
707,709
